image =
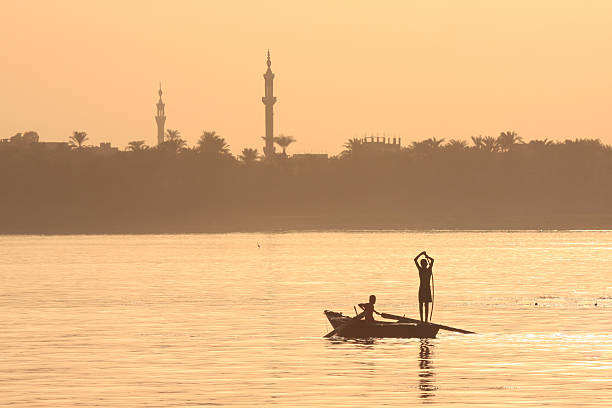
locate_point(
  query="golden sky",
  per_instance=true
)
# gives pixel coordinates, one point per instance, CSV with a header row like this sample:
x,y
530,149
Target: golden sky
x,y
411,69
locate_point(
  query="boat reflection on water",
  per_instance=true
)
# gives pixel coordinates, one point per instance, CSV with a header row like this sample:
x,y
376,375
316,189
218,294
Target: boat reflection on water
x,y
426,370
343,340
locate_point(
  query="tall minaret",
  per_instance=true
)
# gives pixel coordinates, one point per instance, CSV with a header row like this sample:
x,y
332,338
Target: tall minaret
x,y
269,99
160,118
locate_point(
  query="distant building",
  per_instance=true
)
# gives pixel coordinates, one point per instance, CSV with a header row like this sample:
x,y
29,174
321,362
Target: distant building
x,y
382,144
104,149
269,100
160,118
31,140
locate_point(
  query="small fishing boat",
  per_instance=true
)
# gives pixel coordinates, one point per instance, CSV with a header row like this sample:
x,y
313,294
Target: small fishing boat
x,y
346,326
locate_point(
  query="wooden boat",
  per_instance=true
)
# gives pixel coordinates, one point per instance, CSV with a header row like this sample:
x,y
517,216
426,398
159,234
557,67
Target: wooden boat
x,y
362,329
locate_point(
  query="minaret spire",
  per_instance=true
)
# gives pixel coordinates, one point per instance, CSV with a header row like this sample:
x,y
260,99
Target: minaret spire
x,y
160,118
269,100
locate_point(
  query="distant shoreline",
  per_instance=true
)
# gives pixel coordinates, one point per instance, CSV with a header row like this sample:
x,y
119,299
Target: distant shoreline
x,y
428,186
283,224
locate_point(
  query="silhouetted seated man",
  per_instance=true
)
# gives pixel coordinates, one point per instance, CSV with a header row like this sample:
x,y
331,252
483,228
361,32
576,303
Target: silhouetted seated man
x,y
368,309
425,272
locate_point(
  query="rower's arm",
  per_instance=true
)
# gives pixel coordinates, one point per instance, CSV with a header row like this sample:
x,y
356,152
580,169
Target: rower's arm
x,y
362,305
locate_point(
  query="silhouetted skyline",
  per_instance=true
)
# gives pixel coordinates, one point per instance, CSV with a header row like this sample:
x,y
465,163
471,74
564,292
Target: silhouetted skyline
x,y
413,70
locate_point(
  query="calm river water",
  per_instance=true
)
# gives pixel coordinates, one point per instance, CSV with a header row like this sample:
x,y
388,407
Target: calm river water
x,y
213,320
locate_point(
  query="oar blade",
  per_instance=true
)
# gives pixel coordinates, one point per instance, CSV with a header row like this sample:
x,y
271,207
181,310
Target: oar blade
x,y
409,320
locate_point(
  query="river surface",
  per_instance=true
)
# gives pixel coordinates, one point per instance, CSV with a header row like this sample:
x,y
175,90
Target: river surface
x,y
215,320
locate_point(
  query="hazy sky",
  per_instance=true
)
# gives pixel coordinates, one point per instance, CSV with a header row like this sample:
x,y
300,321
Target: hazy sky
x,y
414,69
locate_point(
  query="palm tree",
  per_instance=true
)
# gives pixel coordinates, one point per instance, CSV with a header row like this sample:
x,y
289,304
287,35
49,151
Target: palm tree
x,y
489,144
427,145
540,143
212,144
507,140
456,145
77,139
352,147
284,142
585,145
137,146
174,142
434,143
173,134
478,142
248,155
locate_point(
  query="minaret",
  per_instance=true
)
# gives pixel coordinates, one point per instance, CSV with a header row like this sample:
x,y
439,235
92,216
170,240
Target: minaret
x,y
160,118
269,99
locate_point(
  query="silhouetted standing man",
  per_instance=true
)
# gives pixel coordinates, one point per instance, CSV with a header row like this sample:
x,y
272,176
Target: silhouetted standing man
x,y
425,273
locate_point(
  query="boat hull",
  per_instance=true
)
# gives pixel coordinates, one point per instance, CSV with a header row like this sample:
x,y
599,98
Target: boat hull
x,y
362,329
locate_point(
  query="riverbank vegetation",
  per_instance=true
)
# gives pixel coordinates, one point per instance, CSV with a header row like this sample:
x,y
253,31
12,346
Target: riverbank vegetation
x,y
481,183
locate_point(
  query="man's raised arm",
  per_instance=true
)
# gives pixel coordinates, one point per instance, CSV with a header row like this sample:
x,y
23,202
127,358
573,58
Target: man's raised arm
x,y
430,259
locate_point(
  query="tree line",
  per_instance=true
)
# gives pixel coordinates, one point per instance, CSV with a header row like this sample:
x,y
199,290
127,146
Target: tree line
x,y
209,143
484,183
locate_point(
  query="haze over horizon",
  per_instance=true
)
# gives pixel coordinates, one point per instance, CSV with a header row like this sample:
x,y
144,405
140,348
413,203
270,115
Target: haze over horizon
x,y
413,70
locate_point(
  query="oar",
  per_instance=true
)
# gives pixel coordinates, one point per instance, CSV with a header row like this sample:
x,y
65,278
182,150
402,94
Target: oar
x,y
433,296
339,329
409,320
